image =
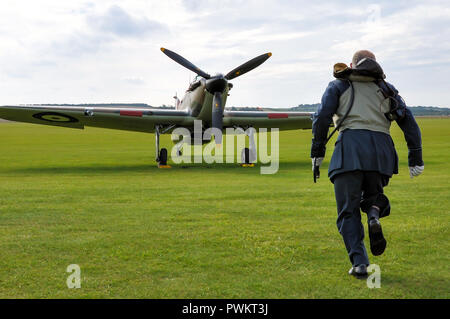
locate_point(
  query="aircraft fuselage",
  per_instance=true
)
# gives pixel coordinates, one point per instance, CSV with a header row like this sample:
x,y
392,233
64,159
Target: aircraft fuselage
x,y
198,101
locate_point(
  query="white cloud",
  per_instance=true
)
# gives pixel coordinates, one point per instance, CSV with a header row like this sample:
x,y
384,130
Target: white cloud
x,y
118,22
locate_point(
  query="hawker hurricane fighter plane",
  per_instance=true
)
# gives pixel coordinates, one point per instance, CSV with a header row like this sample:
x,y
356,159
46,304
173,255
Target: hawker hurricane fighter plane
x,y
204,100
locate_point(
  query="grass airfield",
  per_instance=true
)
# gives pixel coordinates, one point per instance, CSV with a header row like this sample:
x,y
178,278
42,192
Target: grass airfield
x,y
96,198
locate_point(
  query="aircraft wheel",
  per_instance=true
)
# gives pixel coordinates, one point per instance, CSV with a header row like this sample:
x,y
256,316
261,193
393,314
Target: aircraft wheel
x,y
163,156
245,156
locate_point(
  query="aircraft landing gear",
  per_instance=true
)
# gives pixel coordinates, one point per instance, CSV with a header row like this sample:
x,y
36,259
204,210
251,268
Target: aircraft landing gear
x,y
245,156
161,155
248,155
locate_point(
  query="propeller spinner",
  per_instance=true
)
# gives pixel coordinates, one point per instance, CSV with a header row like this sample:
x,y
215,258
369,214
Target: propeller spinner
x,y
216,84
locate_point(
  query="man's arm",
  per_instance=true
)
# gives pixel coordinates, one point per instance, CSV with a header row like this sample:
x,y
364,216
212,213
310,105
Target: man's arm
x,y
413,139
323,118
412,133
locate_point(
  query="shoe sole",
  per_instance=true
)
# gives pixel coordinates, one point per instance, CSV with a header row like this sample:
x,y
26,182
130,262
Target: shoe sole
x,y
377,241
358,275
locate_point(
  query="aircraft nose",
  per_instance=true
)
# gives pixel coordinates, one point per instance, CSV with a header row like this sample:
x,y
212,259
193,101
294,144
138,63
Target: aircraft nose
x,y
216,84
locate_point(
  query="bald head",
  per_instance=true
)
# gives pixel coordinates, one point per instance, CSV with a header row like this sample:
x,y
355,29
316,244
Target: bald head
x,y
361,54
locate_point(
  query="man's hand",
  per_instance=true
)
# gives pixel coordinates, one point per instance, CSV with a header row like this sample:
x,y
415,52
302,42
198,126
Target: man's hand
x,y
415,170
317,161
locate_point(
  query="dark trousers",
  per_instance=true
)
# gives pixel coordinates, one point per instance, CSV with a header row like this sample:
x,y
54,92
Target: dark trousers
x,y
354,191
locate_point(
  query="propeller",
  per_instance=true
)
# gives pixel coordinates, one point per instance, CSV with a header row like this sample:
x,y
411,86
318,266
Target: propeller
x,y
216,84
248,66
179,59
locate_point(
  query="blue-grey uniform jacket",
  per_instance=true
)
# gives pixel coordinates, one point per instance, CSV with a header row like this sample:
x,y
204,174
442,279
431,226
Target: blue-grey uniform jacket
x,y
362,149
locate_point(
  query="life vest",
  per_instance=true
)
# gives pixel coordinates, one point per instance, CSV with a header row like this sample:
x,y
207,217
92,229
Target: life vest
x,y
374,104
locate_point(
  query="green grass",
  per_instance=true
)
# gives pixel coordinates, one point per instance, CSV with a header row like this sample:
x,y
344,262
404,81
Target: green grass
x,y
95,198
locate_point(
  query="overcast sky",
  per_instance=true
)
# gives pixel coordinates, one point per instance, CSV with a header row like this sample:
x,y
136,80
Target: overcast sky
x,y
109,51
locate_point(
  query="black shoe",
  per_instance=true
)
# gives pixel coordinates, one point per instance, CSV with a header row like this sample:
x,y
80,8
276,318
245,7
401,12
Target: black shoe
x,y
359,271
377,241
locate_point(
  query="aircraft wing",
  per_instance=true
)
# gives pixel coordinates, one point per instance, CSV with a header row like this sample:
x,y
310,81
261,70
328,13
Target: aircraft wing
x,y
259,119
125,118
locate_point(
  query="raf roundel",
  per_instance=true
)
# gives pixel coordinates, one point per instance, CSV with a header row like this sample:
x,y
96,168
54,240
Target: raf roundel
x,y
55,117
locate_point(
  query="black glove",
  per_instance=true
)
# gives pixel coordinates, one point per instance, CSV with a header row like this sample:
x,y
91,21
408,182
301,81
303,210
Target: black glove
x,y
317,149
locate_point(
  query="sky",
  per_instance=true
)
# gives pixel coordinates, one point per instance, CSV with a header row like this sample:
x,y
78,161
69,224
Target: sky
x,y
109,51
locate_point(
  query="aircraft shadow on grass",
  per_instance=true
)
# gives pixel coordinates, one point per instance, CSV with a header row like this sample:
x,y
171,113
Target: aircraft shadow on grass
x,y
145,168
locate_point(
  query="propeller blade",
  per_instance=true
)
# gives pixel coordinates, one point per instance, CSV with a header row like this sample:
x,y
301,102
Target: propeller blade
x,y
248,66
217,116
179,59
